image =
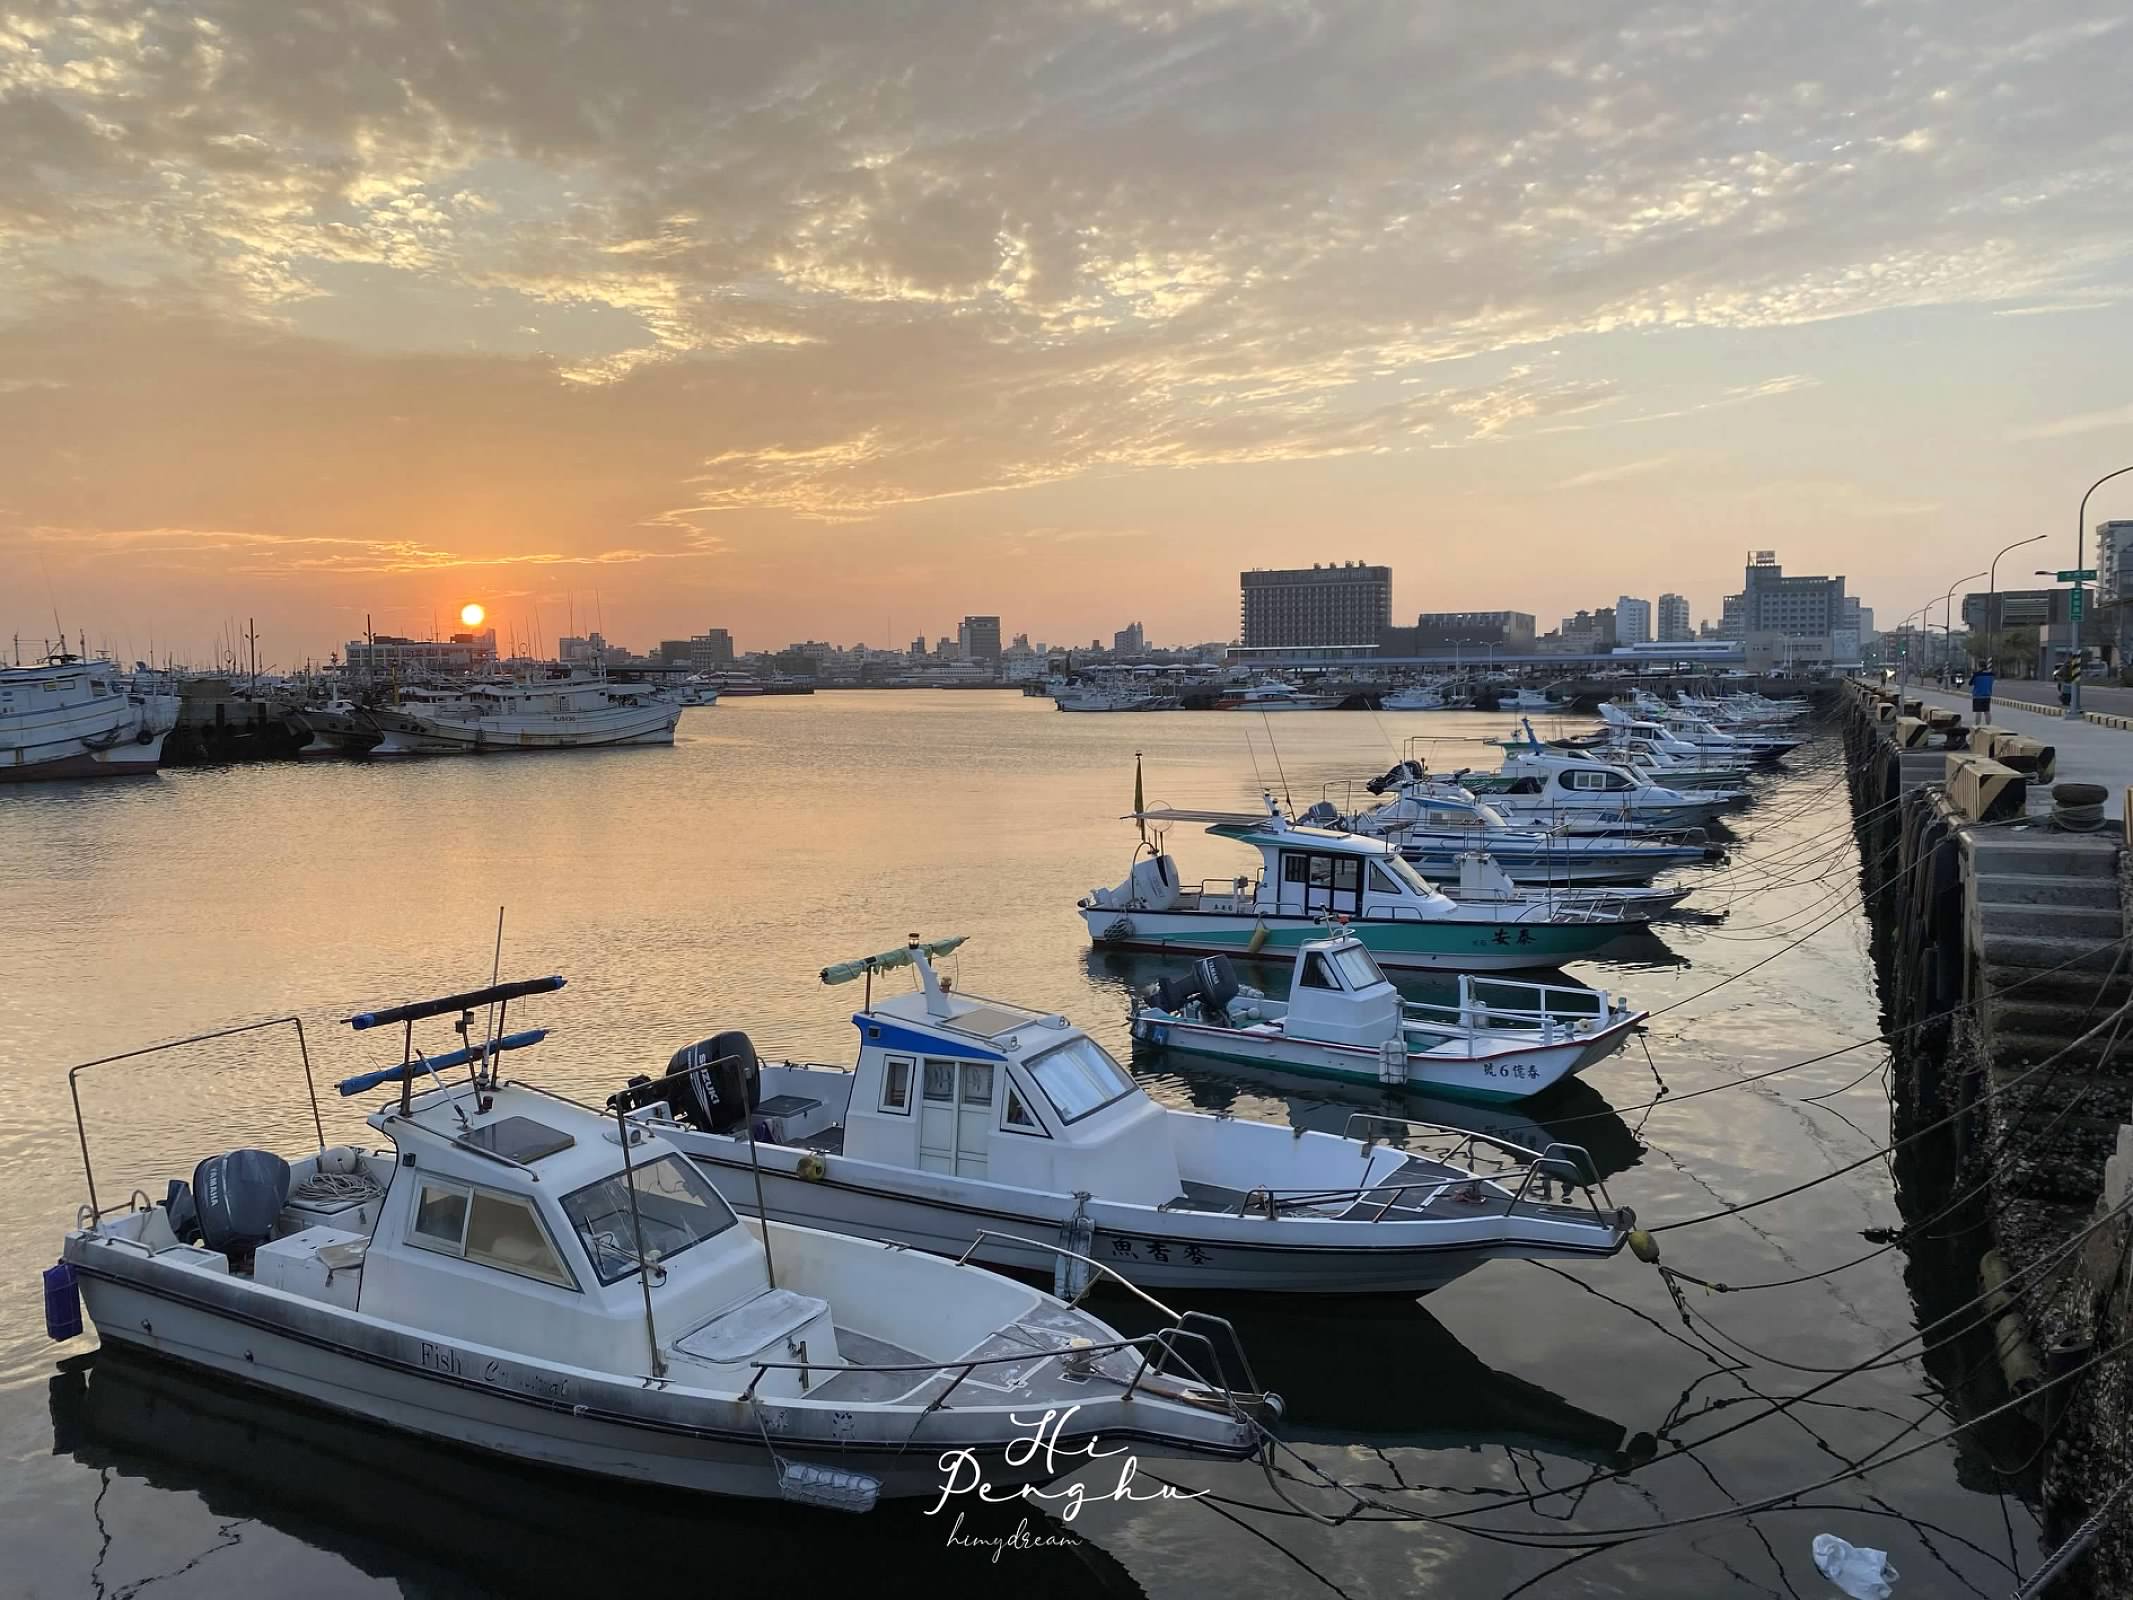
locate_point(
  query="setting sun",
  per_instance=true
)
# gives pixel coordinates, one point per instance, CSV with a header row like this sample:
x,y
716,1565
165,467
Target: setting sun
x,y
471,614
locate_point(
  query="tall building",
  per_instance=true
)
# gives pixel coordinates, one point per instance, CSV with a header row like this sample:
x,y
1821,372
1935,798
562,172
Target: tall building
x,y
1732,617
1129,640
1444,630
1348,603
2112,557
1633,620
1674,619
979,639
1793,621
711,648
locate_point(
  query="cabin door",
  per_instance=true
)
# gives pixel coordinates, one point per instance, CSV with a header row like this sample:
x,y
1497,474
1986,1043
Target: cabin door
x,y
955,1117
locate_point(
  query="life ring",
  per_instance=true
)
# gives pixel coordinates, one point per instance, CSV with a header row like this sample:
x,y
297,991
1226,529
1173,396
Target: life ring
x,y
810,1168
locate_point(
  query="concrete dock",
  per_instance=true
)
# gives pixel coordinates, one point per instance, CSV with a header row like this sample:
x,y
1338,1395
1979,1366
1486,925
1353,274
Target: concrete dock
x,y
1999,899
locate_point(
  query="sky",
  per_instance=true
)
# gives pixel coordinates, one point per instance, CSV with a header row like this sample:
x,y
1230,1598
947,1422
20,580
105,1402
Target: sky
x,y
814,319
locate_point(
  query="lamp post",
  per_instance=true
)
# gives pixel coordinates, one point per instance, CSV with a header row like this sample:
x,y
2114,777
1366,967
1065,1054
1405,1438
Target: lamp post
x,y
2081,530
1907,648
1947,621
1992,585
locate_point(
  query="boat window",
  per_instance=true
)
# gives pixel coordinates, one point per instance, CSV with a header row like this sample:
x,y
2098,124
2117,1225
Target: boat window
x,y
488,1229
1357,967
1321,872
1381,881
1295,866
1347,874
1017,1114
676,1203
940,1079
1316,974
441,1215
503,1231
977,1083
896,1087
1078,1078
1406,873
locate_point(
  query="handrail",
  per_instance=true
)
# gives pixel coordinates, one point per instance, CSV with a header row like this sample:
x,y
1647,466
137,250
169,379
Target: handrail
x,y
81,1129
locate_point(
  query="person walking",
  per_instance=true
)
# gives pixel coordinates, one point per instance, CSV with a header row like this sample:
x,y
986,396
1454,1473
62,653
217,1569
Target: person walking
x,y
1981,694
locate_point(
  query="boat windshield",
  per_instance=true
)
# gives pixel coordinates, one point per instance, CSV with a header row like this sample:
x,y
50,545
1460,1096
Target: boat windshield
x,y
1356,967
1400,869
675,1202
1079,1079
1490,816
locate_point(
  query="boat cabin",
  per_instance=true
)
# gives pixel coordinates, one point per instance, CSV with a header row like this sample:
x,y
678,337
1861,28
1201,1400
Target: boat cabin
x,y
1339,995
1318,872
960,1084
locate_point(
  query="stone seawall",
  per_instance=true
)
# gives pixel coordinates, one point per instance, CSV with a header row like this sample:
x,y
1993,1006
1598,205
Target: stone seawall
x,y
2002,945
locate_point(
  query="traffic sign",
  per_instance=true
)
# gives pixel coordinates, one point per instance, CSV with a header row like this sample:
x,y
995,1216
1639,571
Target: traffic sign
x,y
2075,607
2081,575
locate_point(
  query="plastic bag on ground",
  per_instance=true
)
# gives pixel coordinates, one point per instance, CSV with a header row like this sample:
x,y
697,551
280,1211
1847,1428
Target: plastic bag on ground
x,y
1861,1573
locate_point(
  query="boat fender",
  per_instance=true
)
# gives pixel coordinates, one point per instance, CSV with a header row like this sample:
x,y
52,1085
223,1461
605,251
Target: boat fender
x,y
810,1168
144,737
62,1302
1644,1247
1257,941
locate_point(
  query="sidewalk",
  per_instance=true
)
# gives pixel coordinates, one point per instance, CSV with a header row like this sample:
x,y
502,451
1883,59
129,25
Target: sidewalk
x,y
2097,749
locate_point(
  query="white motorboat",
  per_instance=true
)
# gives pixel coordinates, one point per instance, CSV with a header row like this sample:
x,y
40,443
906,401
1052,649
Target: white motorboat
x,y
1425,697
72,717
1270,694
1544,782
1309,876
580,712
1525,699
522,1274
699,690
1105,697
1645,749
1504,1040
975,1126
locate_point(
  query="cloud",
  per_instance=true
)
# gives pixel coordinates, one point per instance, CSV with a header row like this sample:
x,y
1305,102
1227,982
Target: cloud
x,y
2086,422
1616,473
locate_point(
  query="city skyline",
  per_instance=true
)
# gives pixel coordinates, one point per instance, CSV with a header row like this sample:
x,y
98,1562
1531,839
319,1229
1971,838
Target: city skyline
x,y
851,325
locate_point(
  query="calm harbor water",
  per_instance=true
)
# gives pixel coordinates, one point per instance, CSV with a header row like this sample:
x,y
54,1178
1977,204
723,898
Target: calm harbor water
x,y
690,890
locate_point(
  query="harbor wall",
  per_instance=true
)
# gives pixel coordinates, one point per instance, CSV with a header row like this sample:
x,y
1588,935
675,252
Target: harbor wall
x,y
2000,935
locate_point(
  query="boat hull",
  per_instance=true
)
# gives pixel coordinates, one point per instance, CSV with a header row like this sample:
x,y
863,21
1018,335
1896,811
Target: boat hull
x,y
1153,1248
430,735
1447,945
489,1399
1515,1073
129,759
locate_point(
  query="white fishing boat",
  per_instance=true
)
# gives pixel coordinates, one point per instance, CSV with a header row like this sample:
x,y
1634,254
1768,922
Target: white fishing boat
x,y
1435,824
1554,784
72,717
1504,1040
975,1126
1270,694
699,690
580,712
1425,697
1525,699
522,1274
1105,697
1310,876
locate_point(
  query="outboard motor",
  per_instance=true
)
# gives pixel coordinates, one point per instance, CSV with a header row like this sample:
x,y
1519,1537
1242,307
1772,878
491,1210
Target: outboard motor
x,y
239,1196
1217,983
724,1082
1322,815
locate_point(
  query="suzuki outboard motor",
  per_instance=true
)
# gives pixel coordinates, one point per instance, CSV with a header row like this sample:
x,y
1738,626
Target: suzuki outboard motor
x,y
724,1082
239,1195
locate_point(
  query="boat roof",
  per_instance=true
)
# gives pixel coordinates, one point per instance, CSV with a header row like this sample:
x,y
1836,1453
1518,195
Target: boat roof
x,y
526,1134
1006,1028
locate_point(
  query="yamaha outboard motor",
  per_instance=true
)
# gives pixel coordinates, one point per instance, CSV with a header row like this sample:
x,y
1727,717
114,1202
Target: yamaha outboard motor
x,y
1217,982
1402,772
239,1195
1321,815
724,1082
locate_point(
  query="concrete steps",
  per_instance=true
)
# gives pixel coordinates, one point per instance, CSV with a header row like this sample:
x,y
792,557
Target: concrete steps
x,y
2049,854
2043,888
2077,924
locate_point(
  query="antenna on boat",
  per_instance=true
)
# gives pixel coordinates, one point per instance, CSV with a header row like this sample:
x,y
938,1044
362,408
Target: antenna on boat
x,y
1276,749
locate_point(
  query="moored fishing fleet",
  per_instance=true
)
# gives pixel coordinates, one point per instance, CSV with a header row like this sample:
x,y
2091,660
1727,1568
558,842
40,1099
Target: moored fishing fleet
x,y
767,1277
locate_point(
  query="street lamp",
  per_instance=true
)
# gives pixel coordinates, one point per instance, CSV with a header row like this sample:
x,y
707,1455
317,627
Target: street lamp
x,y
1992,585
2081,530
1947,621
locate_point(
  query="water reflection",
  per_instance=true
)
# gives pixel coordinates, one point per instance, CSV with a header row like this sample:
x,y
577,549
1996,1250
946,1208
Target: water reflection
x,y
440,1520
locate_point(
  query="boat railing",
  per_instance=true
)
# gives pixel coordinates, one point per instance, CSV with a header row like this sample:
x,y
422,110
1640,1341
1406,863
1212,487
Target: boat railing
x,y
1158,1350
92,1211
1569,1164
